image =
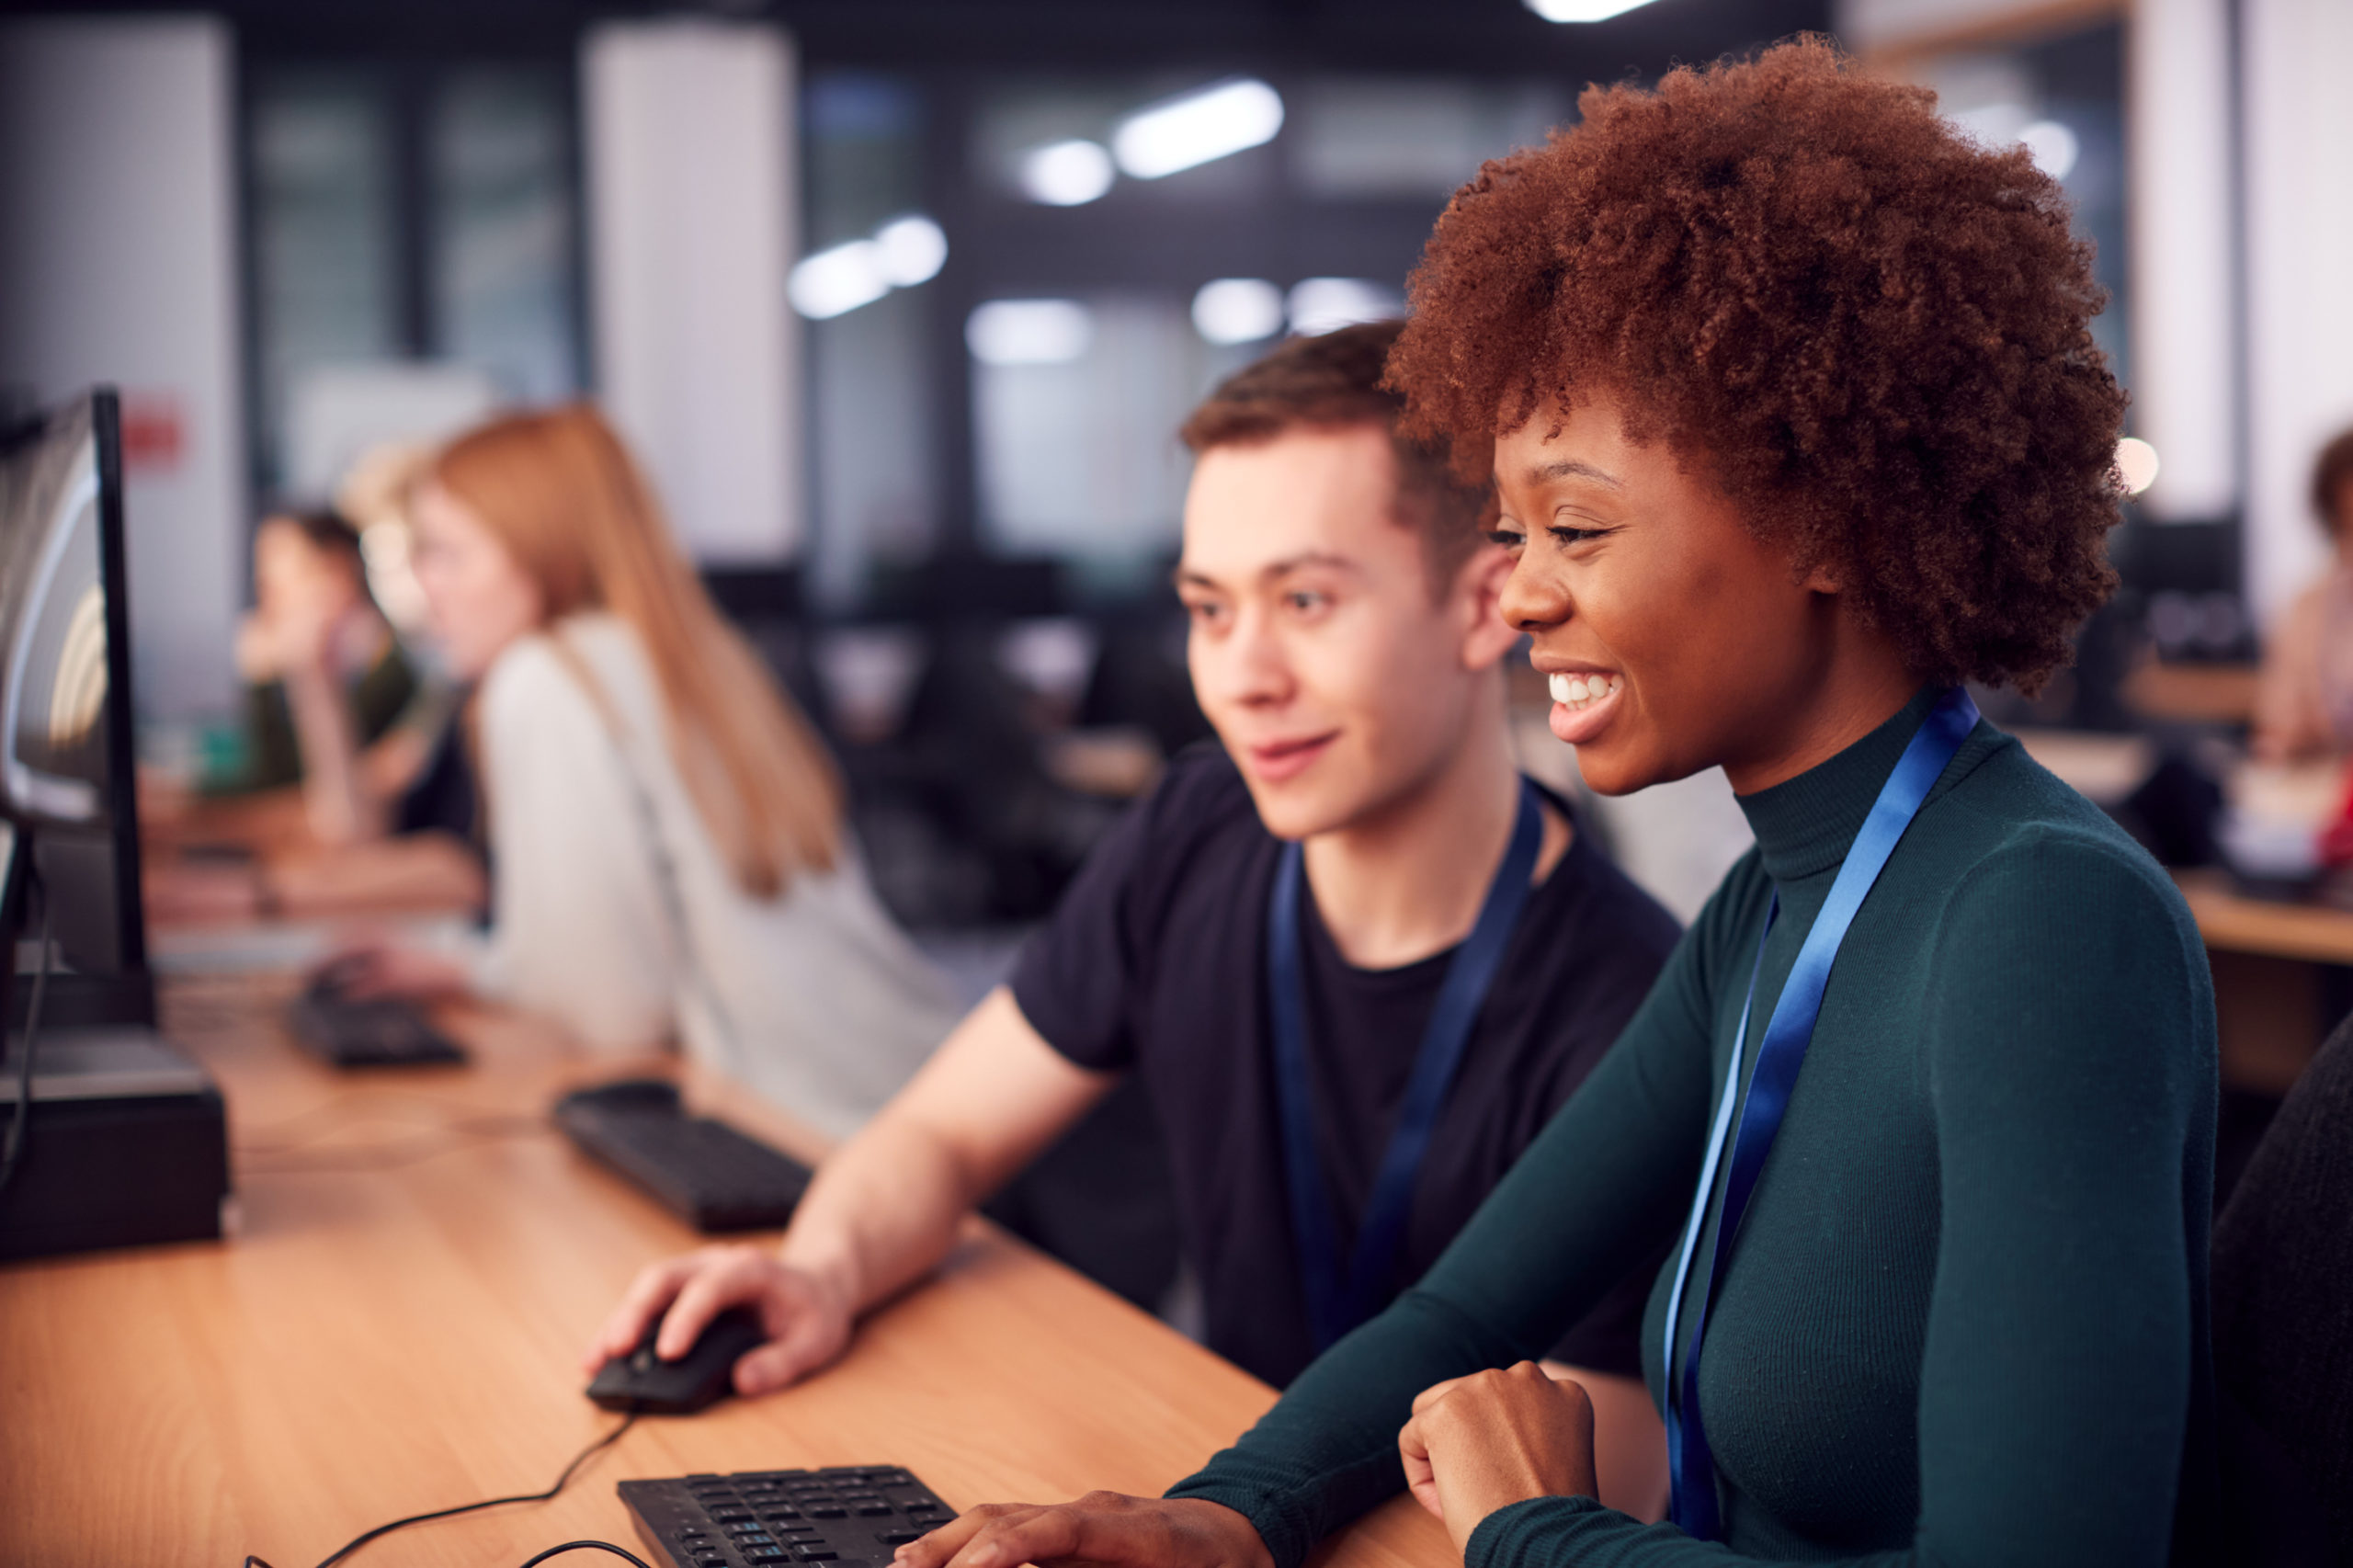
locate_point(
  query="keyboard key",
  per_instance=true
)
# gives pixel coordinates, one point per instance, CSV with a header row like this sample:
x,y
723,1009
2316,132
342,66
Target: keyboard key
x,y
898,1537
815,1553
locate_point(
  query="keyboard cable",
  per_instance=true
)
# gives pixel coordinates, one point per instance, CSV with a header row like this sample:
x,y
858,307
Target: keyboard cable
x,y
583,1457
13,1150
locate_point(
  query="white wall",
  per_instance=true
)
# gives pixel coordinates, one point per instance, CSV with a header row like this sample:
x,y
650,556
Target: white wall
x,y
2299,118
117,264
2181,207
688,129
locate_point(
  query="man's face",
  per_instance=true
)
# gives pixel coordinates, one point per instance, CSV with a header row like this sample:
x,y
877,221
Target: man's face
x,y
1339,683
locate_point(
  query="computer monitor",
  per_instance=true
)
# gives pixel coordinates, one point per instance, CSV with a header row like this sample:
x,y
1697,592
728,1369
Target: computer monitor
x,y
67,786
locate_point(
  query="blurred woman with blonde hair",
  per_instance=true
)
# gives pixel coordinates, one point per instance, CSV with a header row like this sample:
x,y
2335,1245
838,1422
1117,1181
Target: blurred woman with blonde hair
x,y
668,851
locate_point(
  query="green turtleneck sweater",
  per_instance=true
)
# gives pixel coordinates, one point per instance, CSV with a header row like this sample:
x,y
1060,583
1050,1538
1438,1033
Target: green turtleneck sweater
x,y
1964,1322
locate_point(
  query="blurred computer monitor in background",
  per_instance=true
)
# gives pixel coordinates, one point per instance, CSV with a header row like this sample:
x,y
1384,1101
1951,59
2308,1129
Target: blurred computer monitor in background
x,y
66,784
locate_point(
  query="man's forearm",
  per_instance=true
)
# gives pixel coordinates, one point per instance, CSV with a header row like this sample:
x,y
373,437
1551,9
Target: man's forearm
x,y
880,1214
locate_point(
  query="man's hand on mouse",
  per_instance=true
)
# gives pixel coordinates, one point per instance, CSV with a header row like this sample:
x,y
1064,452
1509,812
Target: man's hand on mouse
x,y
807,1323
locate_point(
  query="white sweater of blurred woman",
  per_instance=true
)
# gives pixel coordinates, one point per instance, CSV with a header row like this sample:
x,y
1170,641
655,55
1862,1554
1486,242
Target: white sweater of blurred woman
x,y
614,912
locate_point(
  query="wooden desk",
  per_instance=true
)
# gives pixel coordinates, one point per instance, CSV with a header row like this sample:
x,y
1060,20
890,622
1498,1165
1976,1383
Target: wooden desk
x,y
376,1343
2267,992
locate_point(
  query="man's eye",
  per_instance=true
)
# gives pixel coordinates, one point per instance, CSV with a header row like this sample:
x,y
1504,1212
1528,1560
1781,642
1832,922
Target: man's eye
x,y
1305,599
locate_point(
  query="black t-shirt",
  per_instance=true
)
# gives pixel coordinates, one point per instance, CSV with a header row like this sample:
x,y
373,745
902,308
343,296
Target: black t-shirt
x,y
1155,960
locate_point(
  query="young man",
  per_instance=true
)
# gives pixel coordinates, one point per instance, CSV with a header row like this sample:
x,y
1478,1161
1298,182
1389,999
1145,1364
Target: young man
x,y
1289,1009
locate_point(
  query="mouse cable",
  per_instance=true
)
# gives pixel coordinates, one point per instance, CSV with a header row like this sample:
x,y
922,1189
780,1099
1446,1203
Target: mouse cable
x,y
583,1457
14,1148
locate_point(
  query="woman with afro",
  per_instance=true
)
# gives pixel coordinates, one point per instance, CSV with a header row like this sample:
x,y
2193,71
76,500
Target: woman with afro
x,y
1797,426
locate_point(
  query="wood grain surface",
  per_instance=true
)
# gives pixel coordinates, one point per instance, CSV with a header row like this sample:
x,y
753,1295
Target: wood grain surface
x,y
395,1323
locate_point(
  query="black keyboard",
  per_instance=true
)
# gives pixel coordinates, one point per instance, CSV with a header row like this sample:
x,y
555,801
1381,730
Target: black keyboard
x,y
381,1033
849,1516
702,1170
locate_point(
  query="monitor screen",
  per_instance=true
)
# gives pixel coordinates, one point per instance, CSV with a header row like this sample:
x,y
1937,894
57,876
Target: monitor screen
x,y
65,728
53,619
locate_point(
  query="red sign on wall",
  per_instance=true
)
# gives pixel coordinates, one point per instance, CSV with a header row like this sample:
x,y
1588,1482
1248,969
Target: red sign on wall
x,y
153,434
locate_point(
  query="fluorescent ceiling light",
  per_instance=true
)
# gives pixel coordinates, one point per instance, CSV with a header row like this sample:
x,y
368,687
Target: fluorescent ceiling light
x,y
834,281
1238,310
1030,332
1327,304
2136,464
1582,10
1066,174
913,250
831,282
1198,129
2053,146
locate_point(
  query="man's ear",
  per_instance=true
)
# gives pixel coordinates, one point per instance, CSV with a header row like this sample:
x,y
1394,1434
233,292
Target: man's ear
x,y
1479,590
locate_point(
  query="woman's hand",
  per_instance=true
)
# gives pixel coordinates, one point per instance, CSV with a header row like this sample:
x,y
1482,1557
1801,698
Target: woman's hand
x,y
1486,1441
1101,1528
374,969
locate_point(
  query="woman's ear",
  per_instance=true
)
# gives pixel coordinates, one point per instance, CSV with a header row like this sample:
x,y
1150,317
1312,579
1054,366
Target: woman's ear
x,y
1479,588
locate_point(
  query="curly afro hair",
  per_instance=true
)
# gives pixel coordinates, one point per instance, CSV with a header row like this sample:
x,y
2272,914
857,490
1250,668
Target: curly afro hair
x,y
1873,331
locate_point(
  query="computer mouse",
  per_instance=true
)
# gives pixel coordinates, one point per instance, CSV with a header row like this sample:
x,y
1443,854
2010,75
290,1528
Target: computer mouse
x,y
643,1381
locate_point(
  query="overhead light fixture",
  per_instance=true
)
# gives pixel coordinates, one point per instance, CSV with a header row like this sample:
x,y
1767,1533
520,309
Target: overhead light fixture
x,y
2051,145
1030,332
834,281
1066,174
913,250
838,280
2136,464
1581,10
1199,128
1327,304
1238,310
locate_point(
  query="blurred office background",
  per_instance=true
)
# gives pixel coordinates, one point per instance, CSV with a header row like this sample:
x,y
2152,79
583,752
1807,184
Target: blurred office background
x,y
902,302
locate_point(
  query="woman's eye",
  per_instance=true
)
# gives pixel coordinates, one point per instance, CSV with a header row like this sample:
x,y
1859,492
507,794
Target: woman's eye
x,y
1510,539
1567,536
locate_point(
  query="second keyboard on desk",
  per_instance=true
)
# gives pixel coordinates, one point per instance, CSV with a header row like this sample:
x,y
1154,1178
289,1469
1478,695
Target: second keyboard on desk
x,y
702,1170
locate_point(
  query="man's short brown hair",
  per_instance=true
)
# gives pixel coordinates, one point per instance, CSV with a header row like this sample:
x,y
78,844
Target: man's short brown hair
x,y
2331,470
1334,379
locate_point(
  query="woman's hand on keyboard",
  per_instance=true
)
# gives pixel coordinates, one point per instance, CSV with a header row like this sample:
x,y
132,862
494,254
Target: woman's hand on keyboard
x,y
1105,1527
807,1321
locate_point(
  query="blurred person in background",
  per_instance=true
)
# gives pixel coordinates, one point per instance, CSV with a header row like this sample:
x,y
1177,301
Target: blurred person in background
x,y
1346,646
666,835
350,787
325,678
2303,707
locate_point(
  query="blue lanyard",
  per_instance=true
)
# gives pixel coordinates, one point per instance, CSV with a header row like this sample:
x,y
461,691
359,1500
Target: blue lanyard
x,y
1779,1057
1339,1300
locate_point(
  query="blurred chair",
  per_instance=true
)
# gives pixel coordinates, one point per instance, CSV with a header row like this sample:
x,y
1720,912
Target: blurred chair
x,y
2283,1329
